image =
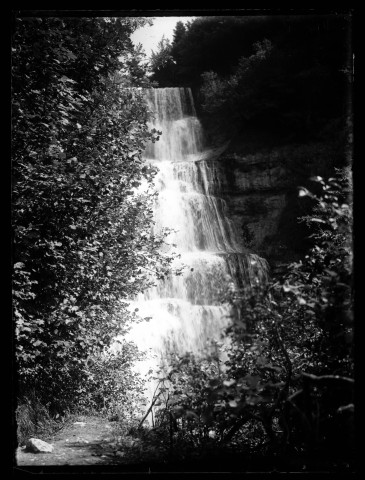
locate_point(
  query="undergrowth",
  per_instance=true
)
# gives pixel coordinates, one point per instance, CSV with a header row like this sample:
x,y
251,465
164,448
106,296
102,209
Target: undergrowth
x,y
33,419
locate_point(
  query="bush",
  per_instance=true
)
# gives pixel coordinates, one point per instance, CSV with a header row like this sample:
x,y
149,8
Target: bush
x,y
82,234
33,419
112,387
287,386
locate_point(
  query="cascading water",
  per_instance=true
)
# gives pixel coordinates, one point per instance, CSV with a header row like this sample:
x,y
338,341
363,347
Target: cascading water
x,y
185,312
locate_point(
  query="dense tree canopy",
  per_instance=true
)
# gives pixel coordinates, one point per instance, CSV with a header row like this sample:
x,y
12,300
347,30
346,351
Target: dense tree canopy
x,y
161,60
284,71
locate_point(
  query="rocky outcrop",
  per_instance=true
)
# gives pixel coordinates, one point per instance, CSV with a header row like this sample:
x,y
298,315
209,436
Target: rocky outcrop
x,y
261,193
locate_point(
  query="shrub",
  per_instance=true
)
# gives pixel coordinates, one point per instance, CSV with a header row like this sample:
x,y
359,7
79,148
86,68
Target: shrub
x,y
287,386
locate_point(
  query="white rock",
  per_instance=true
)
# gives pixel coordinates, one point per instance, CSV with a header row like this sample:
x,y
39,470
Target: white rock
x,y
39,446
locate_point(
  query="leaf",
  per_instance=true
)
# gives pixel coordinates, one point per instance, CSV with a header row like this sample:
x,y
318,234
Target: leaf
x,y
71,56
132,154
253,380
214,382
229,383
269,366
191,415
65,79
318,220
303,192
331,273
346,408
19,265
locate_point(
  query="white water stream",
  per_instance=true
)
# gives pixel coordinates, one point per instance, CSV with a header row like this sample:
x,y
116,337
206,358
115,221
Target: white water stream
x,y
186,311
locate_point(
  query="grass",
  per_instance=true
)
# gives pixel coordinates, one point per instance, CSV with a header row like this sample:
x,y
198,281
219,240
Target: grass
x,y
33,419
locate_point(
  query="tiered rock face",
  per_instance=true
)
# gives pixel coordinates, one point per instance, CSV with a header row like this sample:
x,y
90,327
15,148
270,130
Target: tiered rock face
x,y
261,194
255,190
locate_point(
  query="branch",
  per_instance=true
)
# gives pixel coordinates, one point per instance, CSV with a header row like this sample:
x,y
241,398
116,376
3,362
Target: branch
x,y
291,399
289,371
154,400
235,428
268,414
327,378
289,368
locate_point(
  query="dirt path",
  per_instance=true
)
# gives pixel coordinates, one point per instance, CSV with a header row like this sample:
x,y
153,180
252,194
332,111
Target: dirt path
x,y
86,441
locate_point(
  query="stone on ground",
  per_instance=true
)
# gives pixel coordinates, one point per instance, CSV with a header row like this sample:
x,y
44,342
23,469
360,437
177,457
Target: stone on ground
x,y
36,445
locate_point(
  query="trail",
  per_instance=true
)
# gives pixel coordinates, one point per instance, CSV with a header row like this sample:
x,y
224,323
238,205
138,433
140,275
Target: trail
x,y
86,441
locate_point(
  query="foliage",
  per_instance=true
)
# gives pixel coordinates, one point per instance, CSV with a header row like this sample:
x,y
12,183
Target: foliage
x,y
241,88
83,237
33,418
179,33
209,43
268,88
162,62
113,388
187,407
180,430
134,69
295,337
287,385
286,73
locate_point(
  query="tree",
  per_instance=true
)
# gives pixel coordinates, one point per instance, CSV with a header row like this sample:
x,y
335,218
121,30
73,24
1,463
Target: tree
x,y
271,89
134,70
222,96
162,63
83,240
297,88
179,32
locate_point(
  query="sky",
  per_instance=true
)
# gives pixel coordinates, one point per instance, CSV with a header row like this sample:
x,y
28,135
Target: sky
x,y
150,36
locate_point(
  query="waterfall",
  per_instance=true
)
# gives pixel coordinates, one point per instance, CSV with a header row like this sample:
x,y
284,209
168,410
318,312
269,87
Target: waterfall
x,y
185,311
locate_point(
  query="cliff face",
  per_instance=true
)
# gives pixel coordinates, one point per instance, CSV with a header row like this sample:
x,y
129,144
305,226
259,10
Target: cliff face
x,y
261,190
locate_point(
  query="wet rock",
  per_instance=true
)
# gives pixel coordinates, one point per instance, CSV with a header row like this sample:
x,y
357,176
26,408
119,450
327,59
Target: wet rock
x,y
259,184
36,445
